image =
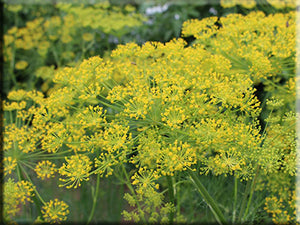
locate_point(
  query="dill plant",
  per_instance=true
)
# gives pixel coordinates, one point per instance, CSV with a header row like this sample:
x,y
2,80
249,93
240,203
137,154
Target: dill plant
x,y
166,117
72,34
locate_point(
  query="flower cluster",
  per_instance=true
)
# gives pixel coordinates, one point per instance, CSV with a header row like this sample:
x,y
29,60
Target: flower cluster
x,y
76,170
74,33
45,169
15,194
55,211
270,59
244,3
278,4
146,199
161,111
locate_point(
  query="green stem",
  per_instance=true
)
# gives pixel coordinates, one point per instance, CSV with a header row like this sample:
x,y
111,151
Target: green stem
x,y
27,164
84,49
251,194
20,177
43,154
128,183
103,166
95,196
274,138
244,201
12,62
55,57
234,199
275,85
177,199
208,199
43,157
11,117
34,188
257,206
171,197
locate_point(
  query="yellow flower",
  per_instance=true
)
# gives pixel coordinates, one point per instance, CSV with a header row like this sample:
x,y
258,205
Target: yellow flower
x,y
68,55
76,170
21,65
14,105
14,194
279,4
44,45
130,8
14,8
19,43
9,165
12,30
45,169
55,211
8,39
247,3
228,3
66,38
87,36
43,48
17,95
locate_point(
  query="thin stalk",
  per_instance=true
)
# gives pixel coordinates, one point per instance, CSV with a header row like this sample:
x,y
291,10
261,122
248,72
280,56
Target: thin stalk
x,y
128,183
34,188
244,201
29,119
283,130
177,198
257,206
18,120
207,197
54,157
59,153
102,167
19,173
82,50
251,193
11,117
95,196
234,199
275,85
27,164
45,154
12,66
55,56
171,197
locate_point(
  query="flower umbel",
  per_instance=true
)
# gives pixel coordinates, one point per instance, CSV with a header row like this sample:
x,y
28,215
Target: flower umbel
x,y
76,170
16,193
9,165
55,211
45,169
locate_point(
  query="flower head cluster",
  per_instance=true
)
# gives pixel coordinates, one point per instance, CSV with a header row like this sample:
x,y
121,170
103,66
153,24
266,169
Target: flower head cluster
x,y
165,109
149,199
64,38
282,3
45,169
244,3
76,169
282,209
259,45
55,211
65,28
16,194
21,65
9,165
